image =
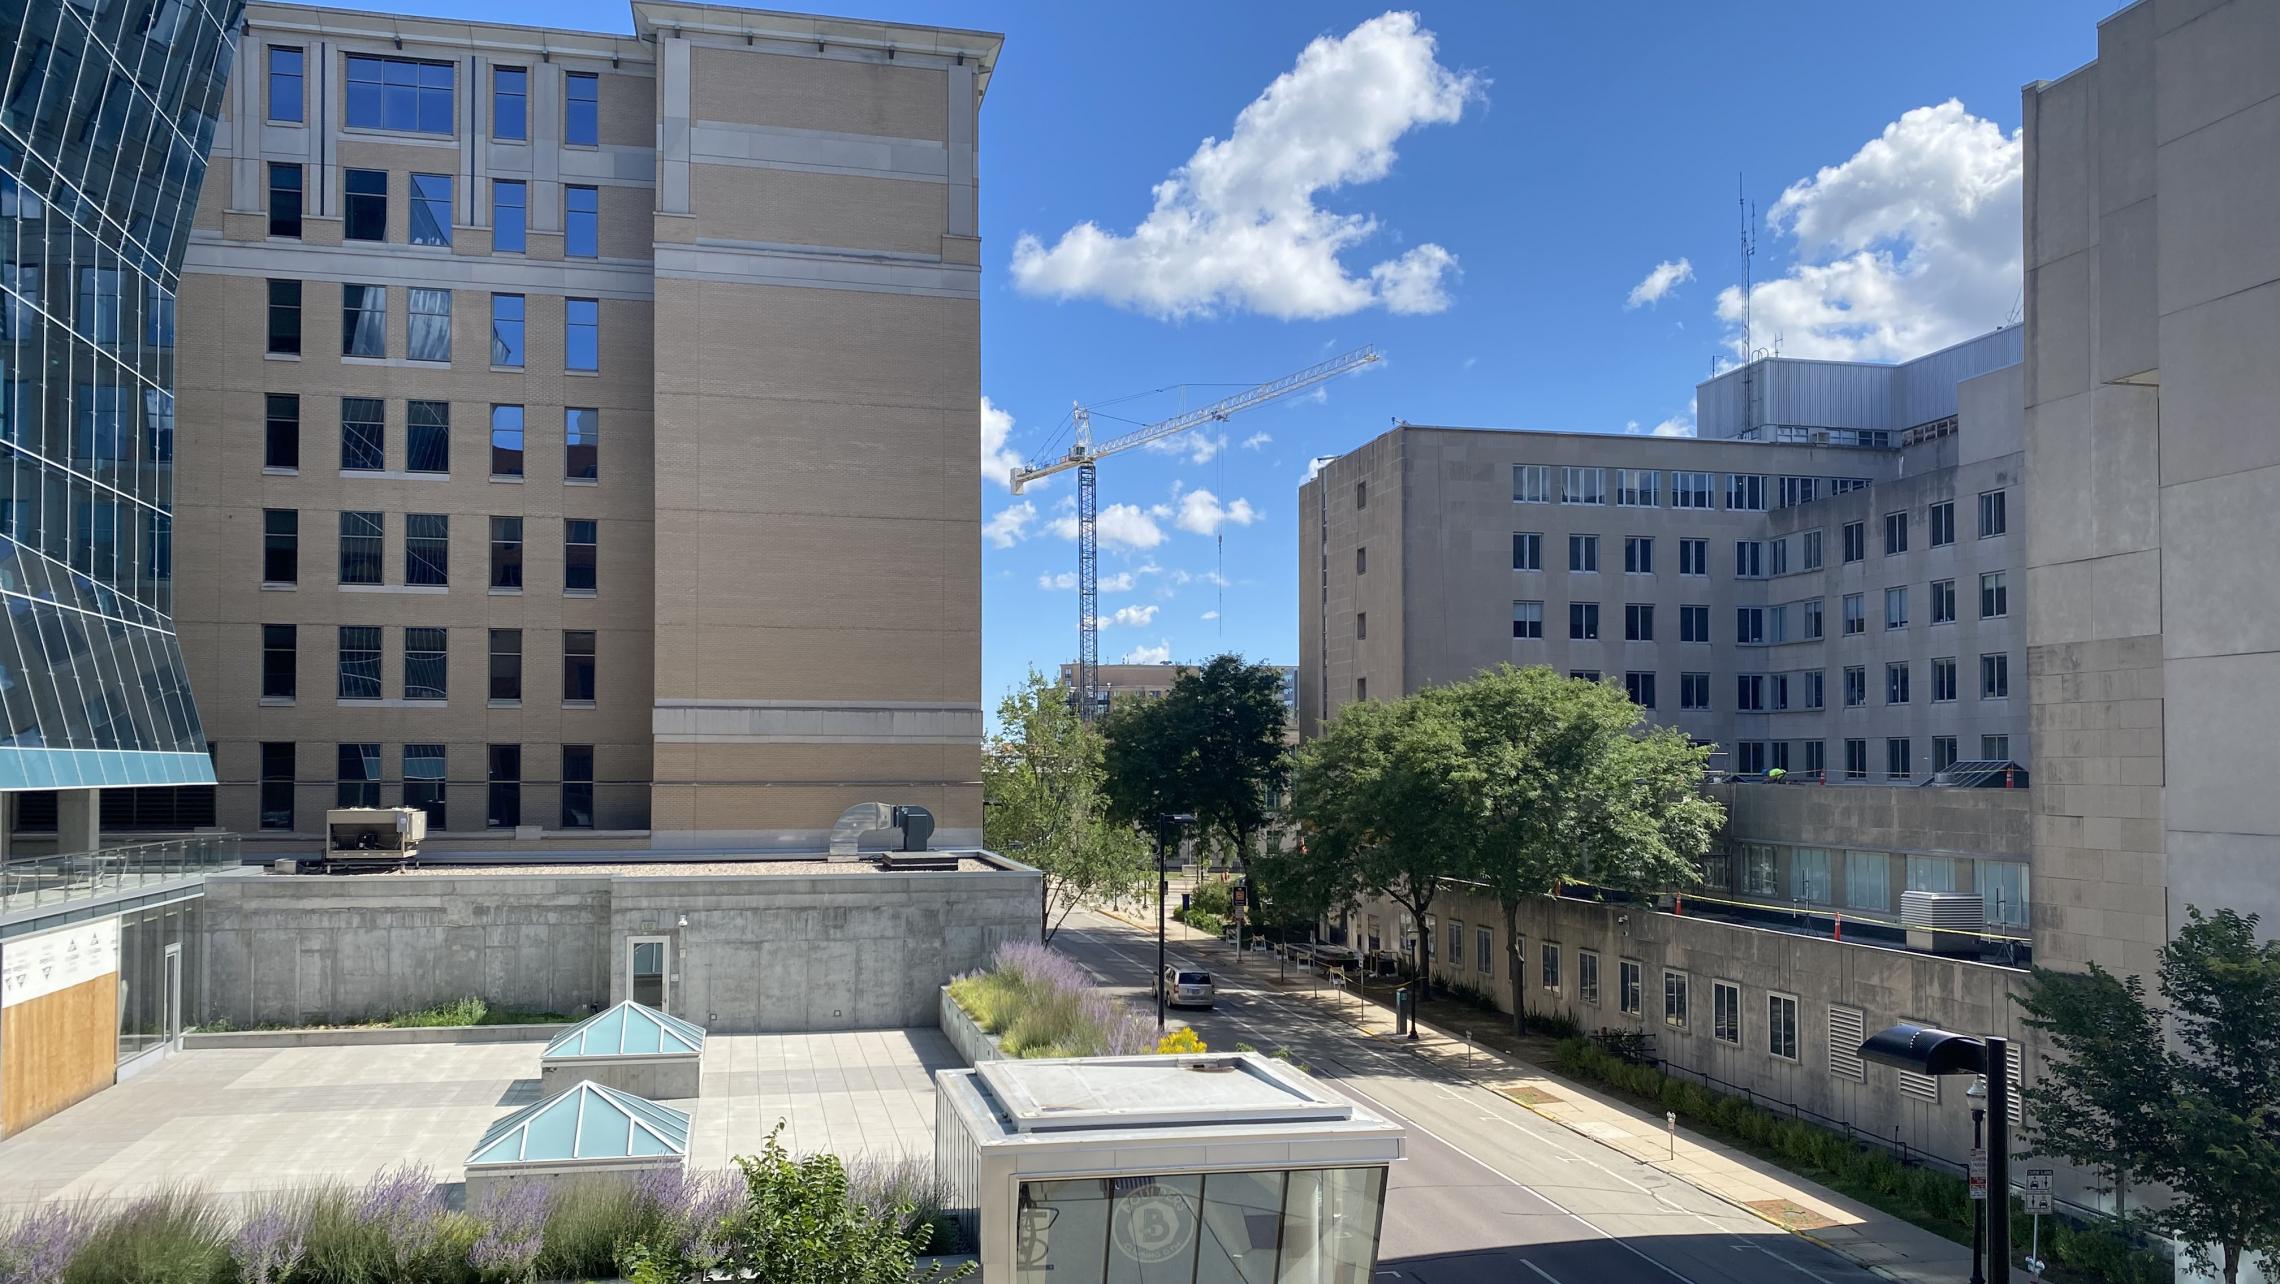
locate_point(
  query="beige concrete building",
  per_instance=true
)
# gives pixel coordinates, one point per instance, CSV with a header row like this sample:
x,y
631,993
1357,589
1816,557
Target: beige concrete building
x,y
577,429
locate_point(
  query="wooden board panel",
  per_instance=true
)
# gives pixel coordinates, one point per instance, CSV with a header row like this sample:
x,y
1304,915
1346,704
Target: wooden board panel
x,y
57,1049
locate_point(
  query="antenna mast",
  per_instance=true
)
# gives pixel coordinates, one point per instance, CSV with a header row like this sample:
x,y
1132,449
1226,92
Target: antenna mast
x,y
1749,251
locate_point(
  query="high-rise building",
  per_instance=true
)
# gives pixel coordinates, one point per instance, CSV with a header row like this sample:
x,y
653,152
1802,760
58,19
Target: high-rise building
x,y
583,426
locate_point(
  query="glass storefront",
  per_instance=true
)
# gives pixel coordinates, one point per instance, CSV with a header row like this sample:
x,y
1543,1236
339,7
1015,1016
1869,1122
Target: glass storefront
x,y
160,981
1310,1226
107,110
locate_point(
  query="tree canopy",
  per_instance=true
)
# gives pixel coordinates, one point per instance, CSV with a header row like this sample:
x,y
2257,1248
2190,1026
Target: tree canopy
x,y
1211,747
1044,802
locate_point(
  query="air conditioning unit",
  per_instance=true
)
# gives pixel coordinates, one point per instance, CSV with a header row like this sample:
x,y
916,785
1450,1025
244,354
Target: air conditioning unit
x,y
1821,438
1943,922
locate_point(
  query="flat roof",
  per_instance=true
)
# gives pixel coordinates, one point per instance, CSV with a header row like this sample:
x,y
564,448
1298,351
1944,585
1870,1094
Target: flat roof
x,y
1074,1094
558,865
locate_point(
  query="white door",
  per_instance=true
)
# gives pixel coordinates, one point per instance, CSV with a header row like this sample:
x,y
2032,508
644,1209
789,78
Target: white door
x,y
172,1029
648,971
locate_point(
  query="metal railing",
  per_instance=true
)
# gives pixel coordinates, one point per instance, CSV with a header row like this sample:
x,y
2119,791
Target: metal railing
x,y
42,882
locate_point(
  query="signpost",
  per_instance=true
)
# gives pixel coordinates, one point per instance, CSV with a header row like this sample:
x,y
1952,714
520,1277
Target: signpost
x,y
2038,1199
1979,1173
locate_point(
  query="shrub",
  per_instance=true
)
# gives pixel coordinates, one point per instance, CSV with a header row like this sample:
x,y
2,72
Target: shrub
x,y
804,1226
173,1237
882,1185
41,1243
1040,1003
269,1244
1182,1042
1216,898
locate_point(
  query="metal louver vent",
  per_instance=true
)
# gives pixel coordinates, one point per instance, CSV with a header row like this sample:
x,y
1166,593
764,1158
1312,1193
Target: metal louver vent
x,y
1846,1031
1923,1087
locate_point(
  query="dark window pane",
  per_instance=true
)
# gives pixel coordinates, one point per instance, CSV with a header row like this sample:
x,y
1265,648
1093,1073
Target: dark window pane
x,y
506,552
359,776
284,199
506,664
427,549
578,666
427,437
579,538
505,776
285,317
424,664
577,786
424,781
279,662
581,439
363,434
360,664
361,536
285,85
364,205
280,546
277,785
281,434
431,209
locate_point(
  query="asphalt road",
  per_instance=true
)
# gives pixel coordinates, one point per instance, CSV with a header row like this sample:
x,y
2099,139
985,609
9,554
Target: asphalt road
x,y
1491,1191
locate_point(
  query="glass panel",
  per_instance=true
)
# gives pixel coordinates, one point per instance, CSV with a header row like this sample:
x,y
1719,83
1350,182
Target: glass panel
x,y
645,981
1060,1231
1330,1226
1153,1229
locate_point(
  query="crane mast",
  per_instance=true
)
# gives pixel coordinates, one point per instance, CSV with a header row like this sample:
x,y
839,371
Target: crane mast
x,y
1083,457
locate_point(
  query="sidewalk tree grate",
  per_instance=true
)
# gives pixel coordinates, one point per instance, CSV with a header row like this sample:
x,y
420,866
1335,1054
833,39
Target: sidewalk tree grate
x,y
1789,1216
1530,1096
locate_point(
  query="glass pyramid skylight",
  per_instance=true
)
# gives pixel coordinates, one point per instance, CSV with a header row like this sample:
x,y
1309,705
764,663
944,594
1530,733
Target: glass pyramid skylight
x,y
628,1030
588,1122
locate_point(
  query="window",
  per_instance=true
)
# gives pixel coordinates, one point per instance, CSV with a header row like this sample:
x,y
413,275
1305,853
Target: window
x,y
1694,557
364,205
1583,486
1361,494
507,330
1896,608
1749,559
1527,619
285,108
1583,552
361,536
359,776
1550,967
1641,688
1531,484
1810,689
1636,487
1484,952
280,546
1726,1012
1361,688
427,548
431,209
1777,557
276,784
1816,760
427,436
1809,875
1896,682
359,662
1995,676
506,665
280,663
281,432
1943,752
510,215
285,318
2002,887
1674,999
423,781
363,434
1943,679
1856,541
1760,871
1809,551
285,199
1584,675
1694,624
1749,692
1638,555
1895,533
1994,596
506,441
1693,690
582,447
1777,684
1361,626
1896,758
504,809
1583,621
1943,523
1856,686
1527,551
1868,880
1361,556
1638,622
577,786
582,334
1856,760
1749,626
507,553
1745,492
1809,619
1856,614
579,537
581,225
1456,943
401,94
1587,975
578,666
1693,490
1630,989
1781,1026
1994,518
1943,601
424,664
430,337
364,320
581,115
1931,873
1995,748
510,103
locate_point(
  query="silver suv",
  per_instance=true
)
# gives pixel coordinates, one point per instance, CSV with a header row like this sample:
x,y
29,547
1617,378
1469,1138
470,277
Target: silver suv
x,y
1187,988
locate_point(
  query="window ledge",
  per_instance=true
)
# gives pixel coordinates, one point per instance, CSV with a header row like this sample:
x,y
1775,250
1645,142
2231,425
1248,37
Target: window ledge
x,y
276,586
349,359
279,470
581,593
581,481
577,704
583,374
497,591
499,369
505,704
280,356
277,702
506,480
391,474
395,588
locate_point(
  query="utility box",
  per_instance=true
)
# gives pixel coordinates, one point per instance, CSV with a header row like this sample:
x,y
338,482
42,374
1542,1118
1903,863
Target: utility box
x,y
1948,923
374,836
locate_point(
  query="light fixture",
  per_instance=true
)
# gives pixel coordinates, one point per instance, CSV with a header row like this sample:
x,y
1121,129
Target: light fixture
x,y
684,920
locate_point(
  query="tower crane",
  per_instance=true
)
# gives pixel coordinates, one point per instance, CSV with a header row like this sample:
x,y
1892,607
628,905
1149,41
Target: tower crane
x,y
1084,454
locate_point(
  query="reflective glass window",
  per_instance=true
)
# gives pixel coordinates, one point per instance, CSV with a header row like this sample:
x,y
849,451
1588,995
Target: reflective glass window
x,y
581,114
510,103
431,209
401,94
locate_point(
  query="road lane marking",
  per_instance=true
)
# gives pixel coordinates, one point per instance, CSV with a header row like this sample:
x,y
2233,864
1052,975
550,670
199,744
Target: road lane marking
x,y
1545,1275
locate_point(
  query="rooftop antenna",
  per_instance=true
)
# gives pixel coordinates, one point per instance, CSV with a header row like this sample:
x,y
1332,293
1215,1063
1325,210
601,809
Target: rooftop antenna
x,y
1748,212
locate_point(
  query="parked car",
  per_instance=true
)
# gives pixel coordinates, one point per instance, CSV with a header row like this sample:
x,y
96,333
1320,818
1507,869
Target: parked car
x,y
1187,988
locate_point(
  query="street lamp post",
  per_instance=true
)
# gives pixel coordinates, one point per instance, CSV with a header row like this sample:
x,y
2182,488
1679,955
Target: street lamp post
x,y
1976,1094
1163,893
1938,1052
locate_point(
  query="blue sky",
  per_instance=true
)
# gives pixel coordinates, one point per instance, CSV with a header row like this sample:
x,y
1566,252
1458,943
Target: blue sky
x,y
1555,155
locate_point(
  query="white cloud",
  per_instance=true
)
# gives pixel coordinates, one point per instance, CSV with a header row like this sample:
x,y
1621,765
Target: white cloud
x,y
998,462
1202,513
1121,582
1667,276
1009,526
1138,617
1210,615
1910,245
1207,577
1199,447
1314,467
1256,440
1236,229
1062,582
1161,653
1675,426
1120,525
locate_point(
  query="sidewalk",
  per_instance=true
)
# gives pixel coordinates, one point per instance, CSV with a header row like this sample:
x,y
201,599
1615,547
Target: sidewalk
x,y
1896,1249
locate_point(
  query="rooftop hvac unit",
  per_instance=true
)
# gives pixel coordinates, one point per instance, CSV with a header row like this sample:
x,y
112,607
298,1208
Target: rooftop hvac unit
x,y
1943,922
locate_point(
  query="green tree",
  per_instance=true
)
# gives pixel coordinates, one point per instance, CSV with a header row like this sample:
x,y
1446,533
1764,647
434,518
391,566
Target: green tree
x,y
1211,747
2223,1160
1042,789
2102,1104
803,1224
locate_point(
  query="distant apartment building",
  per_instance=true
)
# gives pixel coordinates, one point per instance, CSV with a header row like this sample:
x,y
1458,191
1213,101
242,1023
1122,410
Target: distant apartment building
x,y
578,428
1148,681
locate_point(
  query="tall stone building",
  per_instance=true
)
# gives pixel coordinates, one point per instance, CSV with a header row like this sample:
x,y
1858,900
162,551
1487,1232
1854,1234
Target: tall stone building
x,y
578,429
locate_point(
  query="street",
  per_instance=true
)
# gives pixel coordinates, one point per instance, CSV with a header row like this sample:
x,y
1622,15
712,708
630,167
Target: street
x,y
1490,1191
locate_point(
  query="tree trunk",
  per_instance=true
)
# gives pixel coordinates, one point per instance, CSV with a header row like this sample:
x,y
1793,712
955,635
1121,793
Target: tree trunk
x,y
2232,1264
1513,962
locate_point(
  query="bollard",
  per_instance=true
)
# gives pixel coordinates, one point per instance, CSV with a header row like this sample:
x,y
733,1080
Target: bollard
x,y
1468,1049
1670,1120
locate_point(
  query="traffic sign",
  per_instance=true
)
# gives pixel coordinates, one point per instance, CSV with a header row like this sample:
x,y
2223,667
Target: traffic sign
x,y
2039,1197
